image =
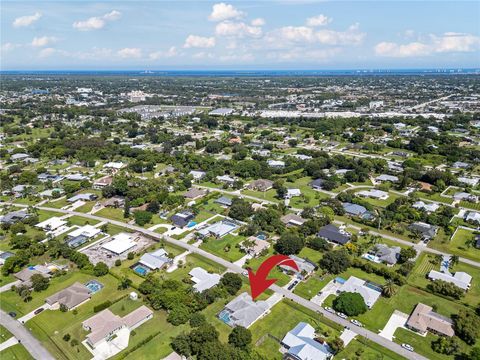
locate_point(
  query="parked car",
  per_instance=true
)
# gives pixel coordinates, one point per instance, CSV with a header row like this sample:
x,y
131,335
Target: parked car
x,y
292,285
329,309
342,315
38,311
407,347
12,314
356,322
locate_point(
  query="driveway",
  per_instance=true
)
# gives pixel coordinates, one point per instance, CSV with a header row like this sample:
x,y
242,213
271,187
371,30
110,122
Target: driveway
x,y
32,314
347,336
330,289
8,286
398,319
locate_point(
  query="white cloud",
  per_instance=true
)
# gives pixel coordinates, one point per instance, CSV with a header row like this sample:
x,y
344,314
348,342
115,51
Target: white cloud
x,y
445,43
195,41
97,22
8,46
129,53
47,52
237,29
305,54
203,55
26,20
257,22
171,52
319,20
222,11
237,57
43,41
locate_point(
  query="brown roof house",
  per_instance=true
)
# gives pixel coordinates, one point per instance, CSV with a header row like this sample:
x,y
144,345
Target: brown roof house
x,y
195,193
423,319
106,327
254,246
292,220
102,182
260,185
72,296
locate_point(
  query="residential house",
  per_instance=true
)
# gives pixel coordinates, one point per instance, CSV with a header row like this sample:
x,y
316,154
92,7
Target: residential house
x,y
197,174
224,201
333,234
317,184
472,216
70,297
460,279
301,344
276,164
219,229
51,224
194,193
14,217
424,319
243,311
293,193
292,220
464,196
255,246
4,255
260,185
102,182
156,260
387,254
115,202
357,211
182,219
374,194
81,235
305,266
369,292
82,197
226,179
203,279
385,177
428,207
121,243
426,231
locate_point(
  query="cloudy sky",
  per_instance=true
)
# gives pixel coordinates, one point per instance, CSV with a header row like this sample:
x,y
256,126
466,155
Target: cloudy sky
x,y
283,34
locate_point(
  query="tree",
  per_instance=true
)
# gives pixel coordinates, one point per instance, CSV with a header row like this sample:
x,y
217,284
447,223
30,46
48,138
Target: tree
x,y
336,345
63,308
39,282
389,289
118,262
445,288
475,353
142,217
125,283
289,243
335,262
126,209
350,303
447,346
319,244
465,324
197,319
66,337
407,254
181,345
231,282
240,337
100,269
240,209
153,207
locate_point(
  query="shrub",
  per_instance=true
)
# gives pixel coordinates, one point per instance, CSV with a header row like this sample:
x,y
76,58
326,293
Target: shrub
x,y
102,306
351,304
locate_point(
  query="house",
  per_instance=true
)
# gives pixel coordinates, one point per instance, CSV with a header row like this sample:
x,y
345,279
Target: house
x,y
182,219
219,229
221,112
102,182
305,266
385,177
156,260
301,344
243,311
105,325
292,193
226,179
426,231
51,224
14,217
49,193
357,210
460,165
255,246
71,297
463,196
369,292
203,280
477,241
387,254
4,255
82,197
76,177
423,319
194,193
224,201
81,235
115,202
26,274
54,178
121,243
428,207
276,164
260,185
460,279
317,184
374,194
197,174
292,220
333,234
469,181
18,157
472,216
114,165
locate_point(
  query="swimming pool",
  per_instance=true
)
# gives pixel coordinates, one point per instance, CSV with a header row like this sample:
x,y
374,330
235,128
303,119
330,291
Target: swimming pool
x,y
224,316
262,236
94,286
191,224
141,270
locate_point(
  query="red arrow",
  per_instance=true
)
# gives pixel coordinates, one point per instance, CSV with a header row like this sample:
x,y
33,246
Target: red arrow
x,y
259,282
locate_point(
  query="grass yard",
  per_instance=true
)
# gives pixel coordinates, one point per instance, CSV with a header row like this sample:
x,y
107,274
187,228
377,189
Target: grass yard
x,y
219,246
270,195
111,213
283,278
15,352
87,207
310,254
80,221
192,261
363,349
290,314
310,196
313,285
45,214
460,244
4,334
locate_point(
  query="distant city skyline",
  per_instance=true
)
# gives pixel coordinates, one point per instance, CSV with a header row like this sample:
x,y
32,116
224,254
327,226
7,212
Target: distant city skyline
x,y
236,35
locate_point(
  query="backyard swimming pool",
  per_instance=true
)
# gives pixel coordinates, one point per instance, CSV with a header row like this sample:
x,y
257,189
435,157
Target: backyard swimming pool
x,y
94,286
224,316
141,270
191,224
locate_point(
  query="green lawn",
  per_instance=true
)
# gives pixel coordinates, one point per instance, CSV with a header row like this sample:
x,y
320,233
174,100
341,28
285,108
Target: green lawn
x,y
4,334
270,195
460,244
192,261
283,278
45,214
111,213
218,247
312,286
80,221
363,349
15,352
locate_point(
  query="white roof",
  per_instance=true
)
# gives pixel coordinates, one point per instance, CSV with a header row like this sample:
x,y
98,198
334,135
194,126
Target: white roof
x,y
356,285
430,207
51,224
114,165
203,280
374,193
120,243
86,230
469,181
473,215
460,279
294,192
385,177
275,163
300,342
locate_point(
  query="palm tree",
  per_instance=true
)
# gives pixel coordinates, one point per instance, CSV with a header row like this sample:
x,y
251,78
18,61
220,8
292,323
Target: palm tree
x,y
453,260
389,289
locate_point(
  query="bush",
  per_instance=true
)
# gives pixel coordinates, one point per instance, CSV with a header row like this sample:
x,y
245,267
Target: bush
x,y
447,346
445,288
66,337
197,319
289,243
102,306
100,269
335,262
118,262
240,337
351,304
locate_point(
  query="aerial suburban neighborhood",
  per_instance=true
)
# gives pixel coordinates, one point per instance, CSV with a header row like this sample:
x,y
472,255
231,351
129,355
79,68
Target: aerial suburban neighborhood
x,y
138,207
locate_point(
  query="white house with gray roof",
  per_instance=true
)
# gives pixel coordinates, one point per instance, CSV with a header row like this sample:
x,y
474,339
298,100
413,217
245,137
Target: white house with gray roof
x,y
243,311
301,344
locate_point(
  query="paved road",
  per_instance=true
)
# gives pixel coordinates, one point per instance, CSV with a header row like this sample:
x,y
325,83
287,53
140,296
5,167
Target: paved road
x,y
33,346
237,269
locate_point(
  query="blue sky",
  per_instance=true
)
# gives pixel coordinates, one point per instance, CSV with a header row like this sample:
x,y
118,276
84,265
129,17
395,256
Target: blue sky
x,y
285,34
